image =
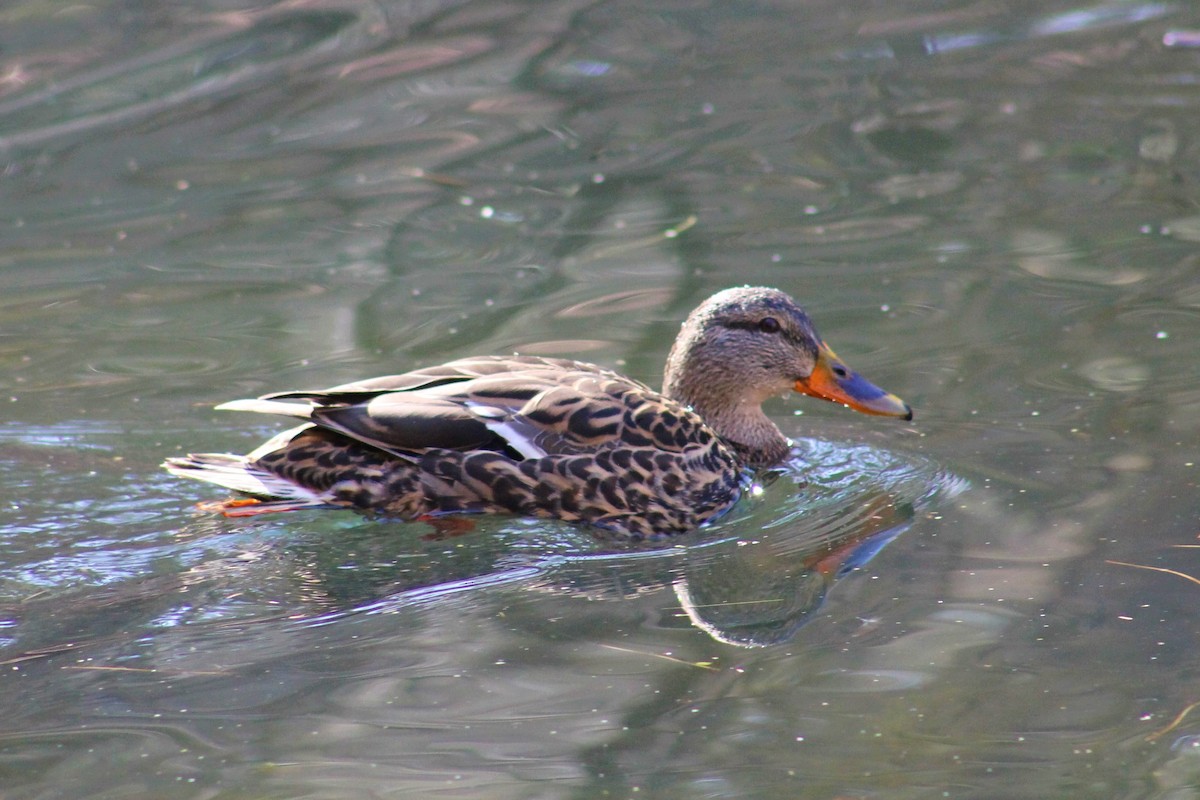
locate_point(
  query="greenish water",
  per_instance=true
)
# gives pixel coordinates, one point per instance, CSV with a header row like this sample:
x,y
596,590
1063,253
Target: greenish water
x,y
990,209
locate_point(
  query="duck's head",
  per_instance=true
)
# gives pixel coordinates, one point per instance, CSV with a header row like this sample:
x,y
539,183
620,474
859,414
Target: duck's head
x,y
743,345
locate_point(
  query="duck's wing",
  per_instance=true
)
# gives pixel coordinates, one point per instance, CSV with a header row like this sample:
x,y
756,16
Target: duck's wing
x,y
525,407
526,414
453,372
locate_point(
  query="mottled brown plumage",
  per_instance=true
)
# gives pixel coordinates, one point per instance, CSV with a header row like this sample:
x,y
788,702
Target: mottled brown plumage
x,y
549,437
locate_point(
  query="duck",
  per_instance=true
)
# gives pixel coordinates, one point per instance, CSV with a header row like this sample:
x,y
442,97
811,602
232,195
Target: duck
x,y
549,437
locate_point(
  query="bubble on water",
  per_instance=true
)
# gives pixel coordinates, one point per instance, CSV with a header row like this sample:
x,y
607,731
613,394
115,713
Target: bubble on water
x,y
1116,374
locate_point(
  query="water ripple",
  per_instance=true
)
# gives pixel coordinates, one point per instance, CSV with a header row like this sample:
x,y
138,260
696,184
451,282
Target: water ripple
x,y
248,50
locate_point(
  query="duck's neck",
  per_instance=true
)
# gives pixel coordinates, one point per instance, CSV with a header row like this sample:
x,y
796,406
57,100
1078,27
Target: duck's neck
x,y
741,423
755,439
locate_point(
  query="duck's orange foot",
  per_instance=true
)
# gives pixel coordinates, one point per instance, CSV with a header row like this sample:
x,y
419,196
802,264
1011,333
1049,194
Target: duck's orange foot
x,y
252,507
223,507
446,527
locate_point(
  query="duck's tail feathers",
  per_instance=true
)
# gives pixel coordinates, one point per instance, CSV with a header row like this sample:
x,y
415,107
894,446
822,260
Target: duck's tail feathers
x,y
240,475
300,410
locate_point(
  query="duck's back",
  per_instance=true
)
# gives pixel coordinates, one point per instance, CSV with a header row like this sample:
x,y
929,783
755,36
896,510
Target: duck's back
x,y
525,407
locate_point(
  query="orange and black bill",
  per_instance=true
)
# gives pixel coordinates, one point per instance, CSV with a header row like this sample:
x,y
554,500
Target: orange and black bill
x,y
832,380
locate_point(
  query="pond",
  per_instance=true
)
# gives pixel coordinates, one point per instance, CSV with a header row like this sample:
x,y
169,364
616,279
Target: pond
x,y
990,209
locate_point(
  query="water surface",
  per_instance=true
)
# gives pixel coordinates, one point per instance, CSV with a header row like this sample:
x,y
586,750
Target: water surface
x,y
989,209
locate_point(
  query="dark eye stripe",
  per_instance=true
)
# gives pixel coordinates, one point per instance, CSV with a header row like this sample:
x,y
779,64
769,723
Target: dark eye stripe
x,y
740,325
793,336
763,326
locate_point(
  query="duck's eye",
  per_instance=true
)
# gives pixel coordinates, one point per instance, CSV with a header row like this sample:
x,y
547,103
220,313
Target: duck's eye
x,y
769,325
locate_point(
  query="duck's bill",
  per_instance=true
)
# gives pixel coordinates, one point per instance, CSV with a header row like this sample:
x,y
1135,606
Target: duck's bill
x,y
832,380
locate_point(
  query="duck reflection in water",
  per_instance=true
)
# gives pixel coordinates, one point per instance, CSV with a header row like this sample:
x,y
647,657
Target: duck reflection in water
x,y
748,592
754,594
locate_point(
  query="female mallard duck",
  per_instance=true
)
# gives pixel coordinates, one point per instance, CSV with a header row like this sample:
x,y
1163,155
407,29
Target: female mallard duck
x,y
549,437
